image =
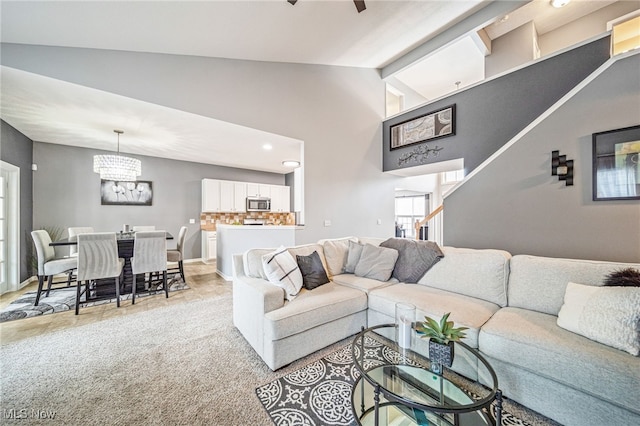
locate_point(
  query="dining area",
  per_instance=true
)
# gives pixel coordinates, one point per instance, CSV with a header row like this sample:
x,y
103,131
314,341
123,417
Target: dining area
x,y
108,266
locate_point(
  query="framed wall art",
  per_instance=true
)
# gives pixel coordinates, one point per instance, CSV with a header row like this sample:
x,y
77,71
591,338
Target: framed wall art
x,y
113,193
436,124
616,166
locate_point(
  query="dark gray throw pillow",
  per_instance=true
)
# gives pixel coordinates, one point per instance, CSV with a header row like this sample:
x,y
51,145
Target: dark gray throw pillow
x,y
313,273
415,258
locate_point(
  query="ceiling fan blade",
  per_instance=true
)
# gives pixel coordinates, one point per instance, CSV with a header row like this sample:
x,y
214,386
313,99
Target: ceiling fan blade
x,y
359,5
292,1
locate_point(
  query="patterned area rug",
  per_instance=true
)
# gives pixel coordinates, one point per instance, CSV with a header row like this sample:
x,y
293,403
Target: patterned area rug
x,y
64,299
320,393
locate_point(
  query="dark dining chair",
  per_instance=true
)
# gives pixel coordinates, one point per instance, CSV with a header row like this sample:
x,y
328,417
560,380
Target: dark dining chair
x,y
98,259
48,264
149,256
177,254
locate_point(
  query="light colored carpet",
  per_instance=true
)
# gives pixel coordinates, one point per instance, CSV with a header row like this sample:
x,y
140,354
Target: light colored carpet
x,y
180,365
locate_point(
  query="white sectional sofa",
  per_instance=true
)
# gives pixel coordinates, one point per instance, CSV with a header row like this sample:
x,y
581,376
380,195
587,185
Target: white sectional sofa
x,y
510,305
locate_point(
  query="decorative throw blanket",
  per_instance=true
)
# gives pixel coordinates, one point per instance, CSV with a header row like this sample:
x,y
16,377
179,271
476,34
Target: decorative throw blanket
x,y
415,258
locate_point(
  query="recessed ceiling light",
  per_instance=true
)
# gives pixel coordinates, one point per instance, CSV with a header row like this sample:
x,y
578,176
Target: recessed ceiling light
x,y
559,3
267,147
291,163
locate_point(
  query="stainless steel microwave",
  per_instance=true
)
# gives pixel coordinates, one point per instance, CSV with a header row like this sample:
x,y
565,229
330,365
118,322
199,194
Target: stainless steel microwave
x,y
258,204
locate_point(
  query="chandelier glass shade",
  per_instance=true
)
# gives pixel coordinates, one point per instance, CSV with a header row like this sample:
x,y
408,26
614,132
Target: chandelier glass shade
x,y
117,167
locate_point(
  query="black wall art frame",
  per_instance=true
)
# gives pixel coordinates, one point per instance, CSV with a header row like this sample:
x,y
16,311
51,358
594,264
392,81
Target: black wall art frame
x,y
114,193
616,166
436,124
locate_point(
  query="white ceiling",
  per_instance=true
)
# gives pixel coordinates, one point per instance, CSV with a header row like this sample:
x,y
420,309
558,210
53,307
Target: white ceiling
x,y
313,31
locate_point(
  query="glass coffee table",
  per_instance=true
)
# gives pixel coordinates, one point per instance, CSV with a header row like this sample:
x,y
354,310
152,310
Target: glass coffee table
x,y
399,385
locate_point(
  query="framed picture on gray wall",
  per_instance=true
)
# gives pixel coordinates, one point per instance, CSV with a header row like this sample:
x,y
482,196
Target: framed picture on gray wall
x,y
616,166
436,124
139,193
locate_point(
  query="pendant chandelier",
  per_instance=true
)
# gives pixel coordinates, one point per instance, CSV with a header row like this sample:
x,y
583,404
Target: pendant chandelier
x,y
117,167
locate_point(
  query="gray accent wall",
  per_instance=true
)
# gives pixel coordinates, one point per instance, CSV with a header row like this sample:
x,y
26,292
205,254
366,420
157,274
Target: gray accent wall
x,y
515,204
67,192
336,111
490,114
17,149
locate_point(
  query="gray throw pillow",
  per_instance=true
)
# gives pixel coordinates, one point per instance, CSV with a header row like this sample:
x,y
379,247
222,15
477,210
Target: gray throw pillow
x,y
355,251
313,273
415,258
376,262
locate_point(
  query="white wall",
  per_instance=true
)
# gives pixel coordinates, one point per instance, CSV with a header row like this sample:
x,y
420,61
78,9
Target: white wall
x,y
515,48
336,111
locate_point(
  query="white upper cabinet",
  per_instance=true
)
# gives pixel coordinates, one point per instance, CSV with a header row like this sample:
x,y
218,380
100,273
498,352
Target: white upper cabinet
x,y
280,199
211,195
258,190
233,196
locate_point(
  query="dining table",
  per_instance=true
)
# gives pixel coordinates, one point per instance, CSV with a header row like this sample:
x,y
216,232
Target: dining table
x,y
104,288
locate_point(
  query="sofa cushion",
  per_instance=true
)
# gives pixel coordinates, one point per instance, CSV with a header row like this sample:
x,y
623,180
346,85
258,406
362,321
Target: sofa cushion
x,y
539,283
361,283
313,273
557,354
312,308
353,257
252,263
465,311
415,258
609,315
335,253
282,270
306,250
482,274
376,262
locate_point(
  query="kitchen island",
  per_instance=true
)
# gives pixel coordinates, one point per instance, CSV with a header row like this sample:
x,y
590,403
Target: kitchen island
x,y
236,239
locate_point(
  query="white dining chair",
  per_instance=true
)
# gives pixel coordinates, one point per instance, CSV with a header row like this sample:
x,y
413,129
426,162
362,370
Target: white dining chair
x,y
149,256
98,258
177,254
73,236
48,264
143,228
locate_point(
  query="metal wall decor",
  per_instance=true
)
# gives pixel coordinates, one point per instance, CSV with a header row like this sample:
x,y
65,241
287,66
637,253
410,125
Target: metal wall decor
x,y
419,154
436,124
562,167
114,193
616,164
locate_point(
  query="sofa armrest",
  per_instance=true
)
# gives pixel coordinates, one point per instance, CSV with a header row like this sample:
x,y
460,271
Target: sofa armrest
x,y
252,299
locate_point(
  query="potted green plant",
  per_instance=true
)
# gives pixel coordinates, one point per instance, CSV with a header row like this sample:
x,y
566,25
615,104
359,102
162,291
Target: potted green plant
x,y
442,334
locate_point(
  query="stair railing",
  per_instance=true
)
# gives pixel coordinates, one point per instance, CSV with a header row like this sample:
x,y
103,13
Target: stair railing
x,y
424,221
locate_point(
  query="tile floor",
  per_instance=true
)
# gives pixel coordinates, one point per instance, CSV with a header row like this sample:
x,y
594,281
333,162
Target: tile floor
x,y
202,279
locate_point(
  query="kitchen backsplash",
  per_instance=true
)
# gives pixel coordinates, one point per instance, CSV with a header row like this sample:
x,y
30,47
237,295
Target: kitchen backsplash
x,y
208,220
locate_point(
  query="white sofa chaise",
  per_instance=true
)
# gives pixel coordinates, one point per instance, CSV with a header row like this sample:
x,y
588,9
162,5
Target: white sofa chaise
x,y
510,305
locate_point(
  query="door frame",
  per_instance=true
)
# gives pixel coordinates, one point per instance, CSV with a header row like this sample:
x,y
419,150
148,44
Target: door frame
x,y
12,239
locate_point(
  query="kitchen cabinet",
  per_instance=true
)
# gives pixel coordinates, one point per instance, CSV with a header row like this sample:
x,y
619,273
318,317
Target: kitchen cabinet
x,y
258,190
233,196
211,195
209,246
280,199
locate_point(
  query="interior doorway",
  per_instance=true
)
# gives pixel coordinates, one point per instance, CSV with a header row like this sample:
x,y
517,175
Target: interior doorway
x,y
411,208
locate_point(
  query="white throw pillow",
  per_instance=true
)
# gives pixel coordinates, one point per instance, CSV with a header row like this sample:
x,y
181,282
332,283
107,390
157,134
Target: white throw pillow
x,y
335,253
609,315
282,270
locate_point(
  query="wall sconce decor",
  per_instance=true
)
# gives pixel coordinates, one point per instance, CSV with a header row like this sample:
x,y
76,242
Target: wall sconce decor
x,y
562,167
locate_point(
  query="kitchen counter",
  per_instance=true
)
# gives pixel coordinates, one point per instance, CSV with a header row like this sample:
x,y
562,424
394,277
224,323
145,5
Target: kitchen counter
x,y
236,239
